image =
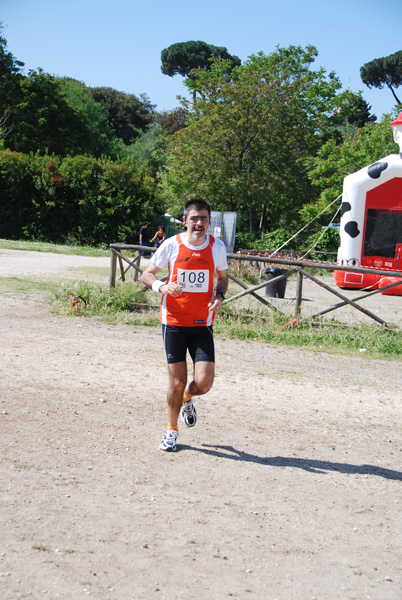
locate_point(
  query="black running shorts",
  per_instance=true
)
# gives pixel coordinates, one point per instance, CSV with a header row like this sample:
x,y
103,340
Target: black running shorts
x,y
199,341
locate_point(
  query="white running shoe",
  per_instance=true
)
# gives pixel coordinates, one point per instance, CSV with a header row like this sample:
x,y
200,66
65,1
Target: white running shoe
x,y
169,441
188,413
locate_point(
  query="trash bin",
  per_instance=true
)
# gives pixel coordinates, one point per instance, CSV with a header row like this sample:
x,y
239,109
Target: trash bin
x,y
277,289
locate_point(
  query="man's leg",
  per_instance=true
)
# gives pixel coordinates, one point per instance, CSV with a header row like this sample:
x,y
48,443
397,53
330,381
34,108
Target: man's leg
x,y
201,384
177,384
204,373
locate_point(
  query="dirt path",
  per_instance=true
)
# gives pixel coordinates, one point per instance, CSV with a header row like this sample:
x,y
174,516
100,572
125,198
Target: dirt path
x,y
289,487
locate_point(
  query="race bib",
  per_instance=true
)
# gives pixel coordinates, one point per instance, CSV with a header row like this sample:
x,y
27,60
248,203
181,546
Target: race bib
x,y
196,280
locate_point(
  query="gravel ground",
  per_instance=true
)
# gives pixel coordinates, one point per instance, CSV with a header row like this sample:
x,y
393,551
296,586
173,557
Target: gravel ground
x,y
289,487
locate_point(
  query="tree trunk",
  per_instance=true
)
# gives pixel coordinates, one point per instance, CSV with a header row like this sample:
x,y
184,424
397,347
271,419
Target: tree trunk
x,y
263,219
251,218
393,93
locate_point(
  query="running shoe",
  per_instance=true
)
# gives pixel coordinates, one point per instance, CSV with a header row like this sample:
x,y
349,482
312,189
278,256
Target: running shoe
x,y
169,441
188,413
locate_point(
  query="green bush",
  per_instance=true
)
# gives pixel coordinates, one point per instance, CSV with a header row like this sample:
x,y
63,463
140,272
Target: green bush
x,y
245,241
91,201
275,239
268,241
326,247
19,193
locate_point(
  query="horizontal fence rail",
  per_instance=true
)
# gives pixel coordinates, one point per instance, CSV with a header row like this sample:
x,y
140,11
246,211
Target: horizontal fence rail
x,y
297,265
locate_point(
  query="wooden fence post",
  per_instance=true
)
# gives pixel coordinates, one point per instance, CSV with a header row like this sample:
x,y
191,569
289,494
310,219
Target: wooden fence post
x,y
113,266
137,261
299,291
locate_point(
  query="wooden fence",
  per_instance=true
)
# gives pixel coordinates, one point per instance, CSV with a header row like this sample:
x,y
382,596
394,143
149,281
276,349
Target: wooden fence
x,y
297,266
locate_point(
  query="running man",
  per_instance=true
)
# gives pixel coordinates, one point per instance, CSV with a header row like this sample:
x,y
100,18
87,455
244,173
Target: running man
x,y
190,299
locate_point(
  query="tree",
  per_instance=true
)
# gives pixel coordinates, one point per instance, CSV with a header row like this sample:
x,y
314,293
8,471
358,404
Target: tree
x,y
9,65
10,76
353,109
126,113
183,57
250,132
333,162
149,149
384,71
43,120
100,139
92,201
5,127
173,120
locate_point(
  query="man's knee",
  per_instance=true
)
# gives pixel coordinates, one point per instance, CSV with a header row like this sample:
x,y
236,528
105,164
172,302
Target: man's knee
x,y
204,386
204,378
177,384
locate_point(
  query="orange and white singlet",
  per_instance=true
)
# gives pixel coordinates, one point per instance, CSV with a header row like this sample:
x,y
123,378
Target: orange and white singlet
x,y
192,267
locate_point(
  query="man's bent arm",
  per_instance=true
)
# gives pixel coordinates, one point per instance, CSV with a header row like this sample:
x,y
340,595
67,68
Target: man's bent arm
x,y
222,282
221,287
149,277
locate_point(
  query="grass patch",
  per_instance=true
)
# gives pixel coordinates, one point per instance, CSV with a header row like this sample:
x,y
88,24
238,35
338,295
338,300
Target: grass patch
x,y
25,286
330,336
130,303
91,272
54,248
248,273
127,302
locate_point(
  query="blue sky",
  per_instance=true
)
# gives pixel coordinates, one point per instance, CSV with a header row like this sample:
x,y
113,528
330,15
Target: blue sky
x,y
117,43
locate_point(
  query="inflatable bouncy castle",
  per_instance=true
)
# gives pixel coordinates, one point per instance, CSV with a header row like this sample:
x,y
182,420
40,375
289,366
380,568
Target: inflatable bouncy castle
x,y
371,221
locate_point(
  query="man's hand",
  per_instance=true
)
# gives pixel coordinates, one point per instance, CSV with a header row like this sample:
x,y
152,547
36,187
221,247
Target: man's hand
x,y
173,289
215,304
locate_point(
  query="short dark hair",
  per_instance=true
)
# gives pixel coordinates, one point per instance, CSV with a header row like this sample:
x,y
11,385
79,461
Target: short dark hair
x,y
196,204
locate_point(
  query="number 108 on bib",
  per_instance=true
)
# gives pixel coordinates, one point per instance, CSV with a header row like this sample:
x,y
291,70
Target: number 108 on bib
x,y
193,280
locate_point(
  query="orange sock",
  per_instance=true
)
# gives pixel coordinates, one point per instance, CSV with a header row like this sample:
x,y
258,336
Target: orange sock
x,y
173,427
186,398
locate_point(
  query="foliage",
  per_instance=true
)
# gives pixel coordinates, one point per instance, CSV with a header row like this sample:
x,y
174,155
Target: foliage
x,y
173,120
10,74
148,149
333,162
352,109
17,184
100,138
245,240
249,133
91,201
323,244
34,114
43,120
126,114
183,57
267,241
276,239
384,71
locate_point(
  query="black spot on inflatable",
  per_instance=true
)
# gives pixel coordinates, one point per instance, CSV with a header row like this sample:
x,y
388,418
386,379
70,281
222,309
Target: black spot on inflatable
x,y
345,207
352,229
374,171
